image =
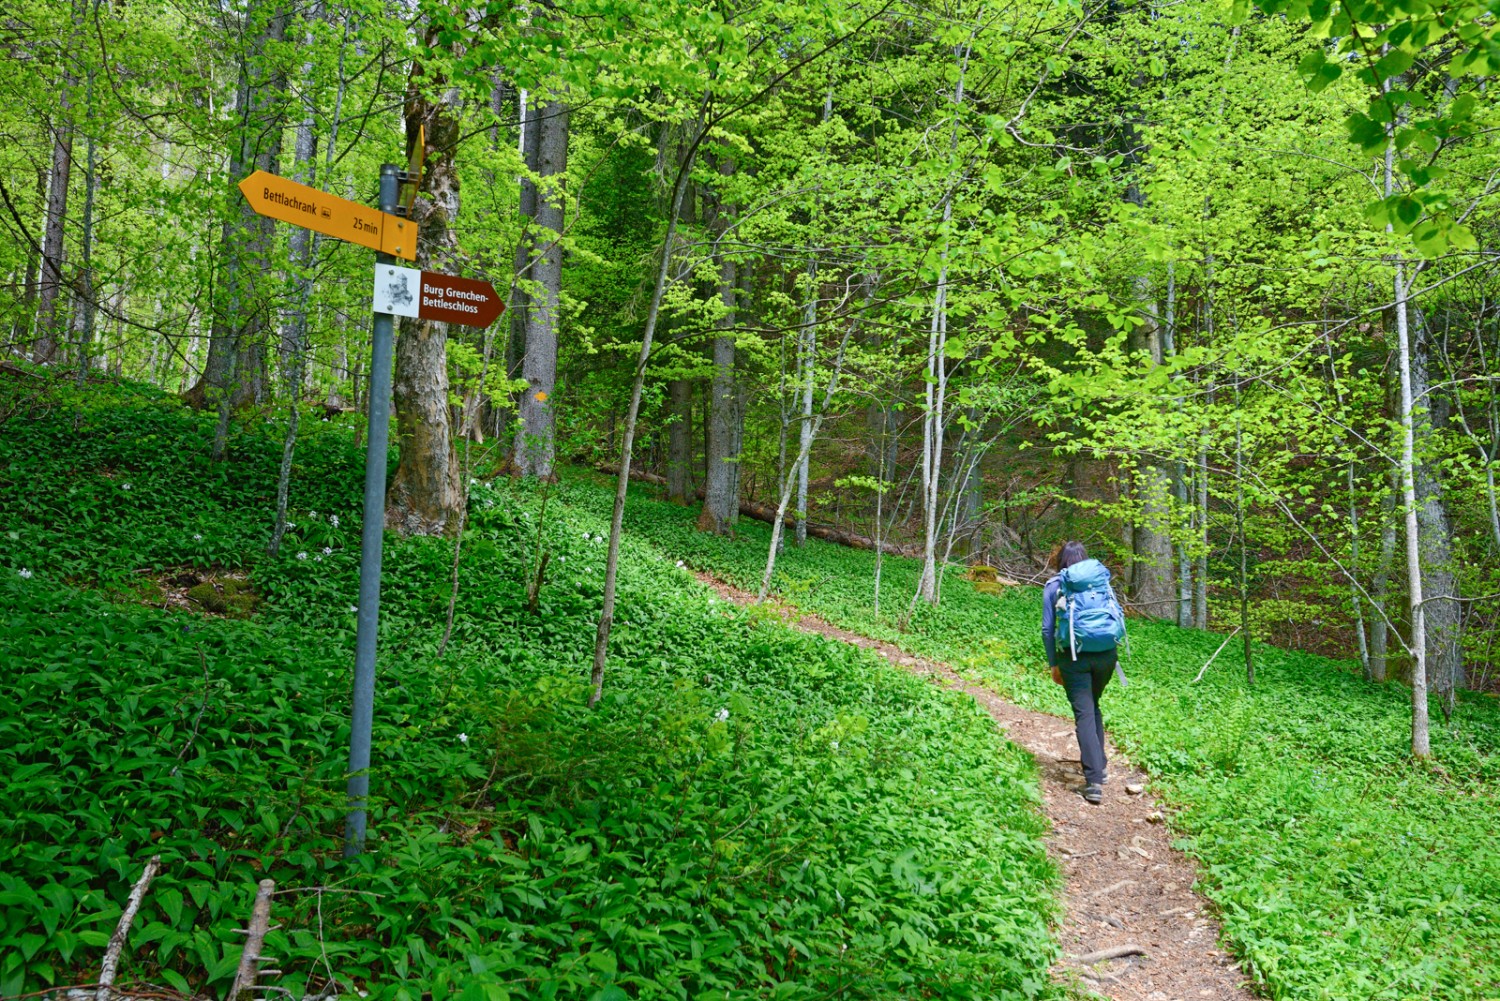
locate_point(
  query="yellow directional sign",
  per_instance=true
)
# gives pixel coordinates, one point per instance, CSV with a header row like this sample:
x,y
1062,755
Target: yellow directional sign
x,y
300,205
414,170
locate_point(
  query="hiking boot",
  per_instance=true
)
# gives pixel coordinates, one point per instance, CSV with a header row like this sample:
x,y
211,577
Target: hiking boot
x,y
1093,793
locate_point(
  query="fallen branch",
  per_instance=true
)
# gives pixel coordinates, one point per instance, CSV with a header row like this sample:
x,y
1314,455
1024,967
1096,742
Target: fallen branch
x,y
1113,952
117,940
1216,654
255,940
767,514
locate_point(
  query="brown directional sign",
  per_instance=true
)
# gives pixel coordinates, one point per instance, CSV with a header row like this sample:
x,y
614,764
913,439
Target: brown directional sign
x,y
451,299
300,205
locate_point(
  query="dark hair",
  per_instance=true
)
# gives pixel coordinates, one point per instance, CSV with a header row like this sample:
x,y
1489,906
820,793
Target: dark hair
x,y
1066,554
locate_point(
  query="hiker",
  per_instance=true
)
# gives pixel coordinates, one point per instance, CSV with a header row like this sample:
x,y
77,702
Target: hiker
x,y
1081,623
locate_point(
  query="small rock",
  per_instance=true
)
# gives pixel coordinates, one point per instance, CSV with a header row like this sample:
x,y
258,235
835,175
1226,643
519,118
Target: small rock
x,y
1155,817
1135,788
1156,996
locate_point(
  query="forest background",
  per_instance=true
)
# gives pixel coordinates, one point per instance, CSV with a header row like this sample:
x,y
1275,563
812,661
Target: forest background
x,y
1209,287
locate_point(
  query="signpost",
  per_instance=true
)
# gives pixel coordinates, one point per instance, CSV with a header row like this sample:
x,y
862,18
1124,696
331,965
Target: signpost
x,y
398,292
300,205
413,180
434,296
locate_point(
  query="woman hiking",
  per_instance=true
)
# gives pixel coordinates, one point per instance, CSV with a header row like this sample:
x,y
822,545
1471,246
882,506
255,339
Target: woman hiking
x,y
1081,624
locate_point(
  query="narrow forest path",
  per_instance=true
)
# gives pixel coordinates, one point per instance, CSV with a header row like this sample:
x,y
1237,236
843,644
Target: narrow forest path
x,y
1125,886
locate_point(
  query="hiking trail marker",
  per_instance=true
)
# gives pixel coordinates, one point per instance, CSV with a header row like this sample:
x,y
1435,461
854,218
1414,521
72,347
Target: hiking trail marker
x,y
287,201
397,291
434,296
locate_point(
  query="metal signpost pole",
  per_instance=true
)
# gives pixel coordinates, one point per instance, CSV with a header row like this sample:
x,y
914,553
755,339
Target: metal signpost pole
x,y
363,713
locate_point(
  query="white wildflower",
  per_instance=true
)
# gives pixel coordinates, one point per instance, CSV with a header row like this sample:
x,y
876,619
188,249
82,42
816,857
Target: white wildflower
x,y
722,715
463,738
124,486
24,573
327,550
301,556
833,744
333,520
197,536
353,609
312,514
562,559
679,563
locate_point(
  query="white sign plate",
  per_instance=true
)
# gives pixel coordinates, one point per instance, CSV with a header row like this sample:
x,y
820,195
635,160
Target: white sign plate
x,y
397,290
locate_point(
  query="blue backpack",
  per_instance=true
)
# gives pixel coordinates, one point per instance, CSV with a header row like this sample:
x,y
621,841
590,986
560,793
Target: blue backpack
x,y
1087,608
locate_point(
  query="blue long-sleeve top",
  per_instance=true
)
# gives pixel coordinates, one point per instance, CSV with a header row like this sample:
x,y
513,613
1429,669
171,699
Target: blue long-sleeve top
x,y
1049,619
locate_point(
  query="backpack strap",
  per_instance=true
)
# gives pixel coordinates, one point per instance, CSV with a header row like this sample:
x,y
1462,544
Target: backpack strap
x,y
1124,631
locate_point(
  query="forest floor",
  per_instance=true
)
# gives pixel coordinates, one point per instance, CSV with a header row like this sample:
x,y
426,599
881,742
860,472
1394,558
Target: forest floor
x,y
1127,890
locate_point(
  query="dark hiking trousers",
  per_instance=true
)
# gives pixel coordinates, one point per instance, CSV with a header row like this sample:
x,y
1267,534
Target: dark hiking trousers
x,y
1084,680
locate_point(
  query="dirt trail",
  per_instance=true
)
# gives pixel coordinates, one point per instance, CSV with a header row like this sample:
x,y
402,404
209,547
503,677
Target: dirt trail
x,y
1125,885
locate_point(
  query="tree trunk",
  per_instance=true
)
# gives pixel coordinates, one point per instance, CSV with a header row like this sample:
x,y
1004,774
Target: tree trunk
x,y
50,326
788,481
1379,631
1153,577
969,518
86,306
653,313
426,492
535,446
1420,745
680,442
1179,467
303,246
235,372
936,384
721,499
807,366
1442,610
26,316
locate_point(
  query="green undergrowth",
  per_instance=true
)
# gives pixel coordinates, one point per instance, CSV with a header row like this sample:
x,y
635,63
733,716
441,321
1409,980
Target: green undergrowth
x,y
1341,869
750,813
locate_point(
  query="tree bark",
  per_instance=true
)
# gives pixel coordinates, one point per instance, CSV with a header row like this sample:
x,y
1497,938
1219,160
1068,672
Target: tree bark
x,y
1380,585
679,441
50,325
535,445
426,493
1179,467
1442,610
779,519
1420,744
1153,577
807,367
303,247
235,371
726,415
26,316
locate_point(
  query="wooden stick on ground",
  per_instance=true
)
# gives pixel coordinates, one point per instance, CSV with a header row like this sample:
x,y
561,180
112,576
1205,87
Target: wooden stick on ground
x,y
1216,654
1113,952
117,940
255,940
